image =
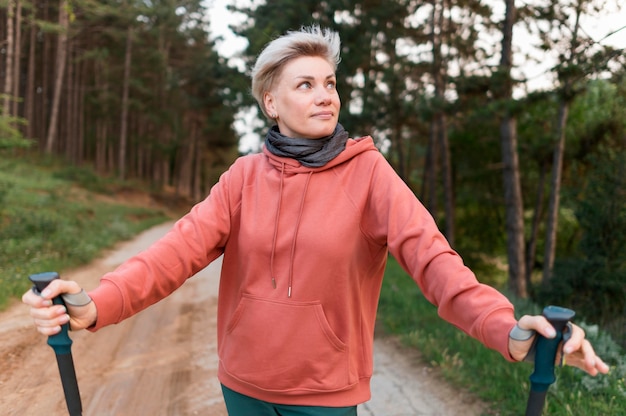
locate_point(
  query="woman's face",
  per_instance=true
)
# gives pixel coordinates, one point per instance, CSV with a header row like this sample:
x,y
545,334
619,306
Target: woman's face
x,y
304,99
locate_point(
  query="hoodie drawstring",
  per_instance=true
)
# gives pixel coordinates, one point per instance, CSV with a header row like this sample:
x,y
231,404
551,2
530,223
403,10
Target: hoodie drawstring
x,y
280,198
295,234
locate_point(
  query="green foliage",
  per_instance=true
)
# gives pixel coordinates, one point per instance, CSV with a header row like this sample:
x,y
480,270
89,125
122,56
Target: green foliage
x,y
48,222
10,136
599,270
596,194
5,188
83,176
504,386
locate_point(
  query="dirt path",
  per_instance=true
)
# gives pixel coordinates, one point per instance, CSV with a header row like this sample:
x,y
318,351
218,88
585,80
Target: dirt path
x,y
163,361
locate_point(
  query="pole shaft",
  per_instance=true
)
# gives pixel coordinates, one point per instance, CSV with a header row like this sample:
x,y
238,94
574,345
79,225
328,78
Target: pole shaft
x,y
70,384
536,401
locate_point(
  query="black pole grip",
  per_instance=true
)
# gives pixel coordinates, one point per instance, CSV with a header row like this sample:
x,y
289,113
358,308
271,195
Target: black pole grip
x,y
61,343
545,357
42,280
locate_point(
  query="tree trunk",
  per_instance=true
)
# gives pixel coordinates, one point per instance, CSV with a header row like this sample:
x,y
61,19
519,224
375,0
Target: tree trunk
x,y
514,217
186,160
430,171
124,115
398,145
8,68
66,130
17,57
439,119
557,166
103,127
198,181
60,72
531,250
80,110
446,171
29,102
44,96
553,209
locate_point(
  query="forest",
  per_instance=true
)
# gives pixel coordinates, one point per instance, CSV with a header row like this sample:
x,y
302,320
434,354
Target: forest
x,y
530,178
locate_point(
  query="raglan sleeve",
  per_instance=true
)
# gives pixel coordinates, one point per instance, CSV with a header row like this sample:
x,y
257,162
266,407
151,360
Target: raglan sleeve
x,y
415,241
194,241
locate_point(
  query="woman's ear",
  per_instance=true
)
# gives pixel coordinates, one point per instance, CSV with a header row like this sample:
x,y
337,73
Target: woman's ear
x,y
268,102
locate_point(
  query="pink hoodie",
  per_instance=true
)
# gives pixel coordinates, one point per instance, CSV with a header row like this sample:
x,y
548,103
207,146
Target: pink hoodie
x,y
304,251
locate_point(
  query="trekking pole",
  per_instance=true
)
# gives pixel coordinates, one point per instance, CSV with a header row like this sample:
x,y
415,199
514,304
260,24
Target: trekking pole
x,y
545,356
61,343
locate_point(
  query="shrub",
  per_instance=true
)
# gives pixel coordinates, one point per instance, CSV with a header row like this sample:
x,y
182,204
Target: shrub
x,y
599,270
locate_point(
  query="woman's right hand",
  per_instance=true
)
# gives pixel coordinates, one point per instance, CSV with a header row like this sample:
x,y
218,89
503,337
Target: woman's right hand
x,y
48,317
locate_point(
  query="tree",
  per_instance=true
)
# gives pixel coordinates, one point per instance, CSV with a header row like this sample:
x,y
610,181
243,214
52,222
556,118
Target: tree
x,y
10,135
599,269
10,48
510,160
29,102
17,57
59,74
439,132
453,33
580,59
124,112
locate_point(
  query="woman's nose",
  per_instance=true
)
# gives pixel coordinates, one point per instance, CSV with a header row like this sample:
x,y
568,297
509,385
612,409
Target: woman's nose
x,y
323,96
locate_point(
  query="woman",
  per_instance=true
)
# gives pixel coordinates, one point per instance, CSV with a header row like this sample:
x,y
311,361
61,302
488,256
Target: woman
x,y
305,228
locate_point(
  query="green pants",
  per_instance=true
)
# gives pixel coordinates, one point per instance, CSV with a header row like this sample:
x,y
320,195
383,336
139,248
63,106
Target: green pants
x,y
240,405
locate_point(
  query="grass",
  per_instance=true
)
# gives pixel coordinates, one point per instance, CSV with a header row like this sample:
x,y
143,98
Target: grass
x,y
53,217
464,362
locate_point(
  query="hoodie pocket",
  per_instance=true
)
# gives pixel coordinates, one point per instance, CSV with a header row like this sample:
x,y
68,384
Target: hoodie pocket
x,y
285,347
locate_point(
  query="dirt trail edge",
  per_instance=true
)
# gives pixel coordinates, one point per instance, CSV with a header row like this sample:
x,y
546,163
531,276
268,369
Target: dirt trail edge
x,y
163,361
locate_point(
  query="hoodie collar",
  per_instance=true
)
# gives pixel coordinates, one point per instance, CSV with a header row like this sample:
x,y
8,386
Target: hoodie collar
x,y
353,148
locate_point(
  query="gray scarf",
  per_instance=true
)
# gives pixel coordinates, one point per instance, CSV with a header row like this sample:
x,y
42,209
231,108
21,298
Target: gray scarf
x,y
311,153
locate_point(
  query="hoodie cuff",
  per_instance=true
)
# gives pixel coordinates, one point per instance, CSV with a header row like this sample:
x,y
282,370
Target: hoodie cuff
x,y
109,304
496,329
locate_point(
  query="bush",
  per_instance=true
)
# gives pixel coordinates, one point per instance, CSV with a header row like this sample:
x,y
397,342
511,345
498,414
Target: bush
x,y
5,188
594,282
10,135
83,176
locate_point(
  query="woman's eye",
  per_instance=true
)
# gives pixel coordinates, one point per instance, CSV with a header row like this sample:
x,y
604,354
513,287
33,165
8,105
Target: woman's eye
x,y
331,85
305,85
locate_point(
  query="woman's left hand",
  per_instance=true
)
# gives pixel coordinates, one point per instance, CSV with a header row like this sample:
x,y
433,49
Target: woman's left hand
x,y
578,350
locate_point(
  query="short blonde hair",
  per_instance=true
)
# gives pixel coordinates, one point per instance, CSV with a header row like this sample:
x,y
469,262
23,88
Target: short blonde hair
x,y
308,41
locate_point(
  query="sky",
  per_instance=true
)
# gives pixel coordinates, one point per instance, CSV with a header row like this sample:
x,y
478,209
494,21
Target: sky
x,y
220,18
538,73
